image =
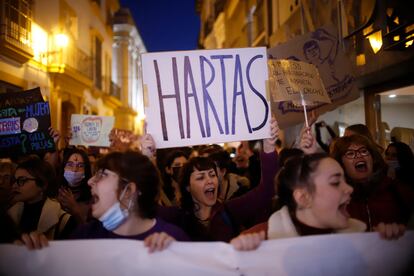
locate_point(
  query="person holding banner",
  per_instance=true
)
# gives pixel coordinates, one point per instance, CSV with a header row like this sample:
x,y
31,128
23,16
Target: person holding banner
x,y
203,217
381,203
315,196
124,193
378,200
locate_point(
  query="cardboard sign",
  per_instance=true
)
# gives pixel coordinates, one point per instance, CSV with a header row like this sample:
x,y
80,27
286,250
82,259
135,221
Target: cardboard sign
x,y
206,96
289,79
320,48
90,130
318,255
24,123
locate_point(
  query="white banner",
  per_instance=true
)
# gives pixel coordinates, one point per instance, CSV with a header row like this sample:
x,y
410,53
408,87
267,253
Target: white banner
x,y
338,254
90,130
206,96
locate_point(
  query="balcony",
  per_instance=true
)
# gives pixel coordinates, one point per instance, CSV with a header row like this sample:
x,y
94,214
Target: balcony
x,y
15,30
70,60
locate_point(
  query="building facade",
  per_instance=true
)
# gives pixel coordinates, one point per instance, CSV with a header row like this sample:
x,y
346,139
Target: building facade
x,y
377,36
69,49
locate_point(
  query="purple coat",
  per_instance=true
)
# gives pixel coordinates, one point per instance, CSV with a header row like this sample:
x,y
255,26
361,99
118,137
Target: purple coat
x,y
95,230
229,218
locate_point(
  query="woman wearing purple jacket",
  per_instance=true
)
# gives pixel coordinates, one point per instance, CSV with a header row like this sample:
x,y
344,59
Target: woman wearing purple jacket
x,y
203,217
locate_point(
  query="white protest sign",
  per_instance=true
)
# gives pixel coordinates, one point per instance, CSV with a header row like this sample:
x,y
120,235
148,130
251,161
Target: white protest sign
x,y
289,78
335,254
90,130
320,48
206,96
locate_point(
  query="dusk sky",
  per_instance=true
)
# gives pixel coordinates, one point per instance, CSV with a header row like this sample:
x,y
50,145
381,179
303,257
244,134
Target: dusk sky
x,y
166,25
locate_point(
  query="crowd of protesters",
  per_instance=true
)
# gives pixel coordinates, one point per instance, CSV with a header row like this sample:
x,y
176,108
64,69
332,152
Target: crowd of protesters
x,y
203,194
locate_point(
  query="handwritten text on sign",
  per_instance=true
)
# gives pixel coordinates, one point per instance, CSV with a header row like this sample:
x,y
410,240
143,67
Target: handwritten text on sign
x,y
289,78
207,96
24,123
91,130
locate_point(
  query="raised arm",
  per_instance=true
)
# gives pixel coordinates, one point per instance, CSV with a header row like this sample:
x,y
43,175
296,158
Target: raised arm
x,y
255,206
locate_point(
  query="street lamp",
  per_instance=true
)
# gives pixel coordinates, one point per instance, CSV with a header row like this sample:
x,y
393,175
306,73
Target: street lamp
x,y
61,40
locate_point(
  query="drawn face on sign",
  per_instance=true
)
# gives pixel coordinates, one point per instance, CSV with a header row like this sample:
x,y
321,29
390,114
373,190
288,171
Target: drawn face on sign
x,y
91,129
312,51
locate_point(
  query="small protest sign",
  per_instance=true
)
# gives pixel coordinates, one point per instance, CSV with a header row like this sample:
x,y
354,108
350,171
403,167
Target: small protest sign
x,y
289,79
321,49
90,130
206,96
24,123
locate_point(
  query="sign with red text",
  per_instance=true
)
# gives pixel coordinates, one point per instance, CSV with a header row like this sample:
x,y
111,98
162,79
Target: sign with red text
x,y
90,130
24,123
289,79
206,96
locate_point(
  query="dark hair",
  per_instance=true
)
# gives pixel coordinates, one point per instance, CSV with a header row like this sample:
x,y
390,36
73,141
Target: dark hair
x,y
297,173
287,153
361,130
221,158
42,171
209,149
342,144
85,194
405,159
169,159
195,163
137,168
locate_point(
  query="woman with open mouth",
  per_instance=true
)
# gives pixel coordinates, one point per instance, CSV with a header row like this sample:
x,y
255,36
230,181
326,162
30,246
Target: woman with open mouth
x,y
124,192
314,194
381,203
203,217
377,199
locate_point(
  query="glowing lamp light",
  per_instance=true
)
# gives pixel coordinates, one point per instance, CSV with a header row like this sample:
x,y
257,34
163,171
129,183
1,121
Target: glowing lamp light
x,y
392,96
61,40
360,60
375,39
141,116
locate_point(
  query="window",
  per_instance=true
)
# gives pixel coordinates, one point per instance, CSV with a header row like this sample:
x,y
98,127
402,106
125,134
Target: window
x,y
16,24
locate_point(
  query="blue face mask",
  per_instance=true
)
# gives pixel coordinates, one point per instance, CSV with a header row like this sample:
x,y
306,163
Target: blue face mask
x,y
74,179
115,215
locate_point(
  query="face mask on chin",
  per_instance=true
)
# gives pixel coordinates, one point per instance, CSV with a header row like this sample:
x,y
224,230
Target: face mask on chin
x,y
115,215
74,179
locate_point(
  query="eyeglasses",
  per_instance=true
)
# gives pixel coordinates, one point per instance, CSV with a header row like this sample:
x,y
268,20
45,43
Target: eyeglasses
x,y
352,154
71,164
102,173
20,181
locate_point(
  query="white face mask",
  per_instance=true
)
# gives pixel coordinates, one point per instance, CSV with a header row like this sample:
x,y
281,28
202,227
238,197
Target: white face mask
x,y
74,179
115,215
